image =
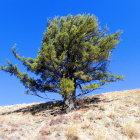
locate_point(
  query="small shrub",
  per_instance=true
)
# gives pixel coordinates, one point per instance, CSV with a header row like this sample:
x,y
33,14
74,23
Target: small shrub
x,y
58,120
98,117
106,124
44,131
90,115
101,107
111,113
130,129
77,116
116,124
72,133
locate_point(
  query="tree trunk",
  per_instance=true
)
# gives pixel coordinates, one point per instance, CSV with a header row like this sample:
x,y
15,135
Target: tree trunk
x,y
69,102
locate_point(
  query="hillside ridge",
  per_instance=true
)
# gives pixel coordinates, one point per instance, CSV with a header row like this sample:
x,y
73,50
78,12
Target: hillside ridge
x,y
108,116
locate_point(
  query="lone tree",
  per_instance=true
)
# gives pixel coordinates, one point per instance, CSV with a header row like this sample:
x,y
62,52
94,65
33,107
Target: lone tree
x,y
74,55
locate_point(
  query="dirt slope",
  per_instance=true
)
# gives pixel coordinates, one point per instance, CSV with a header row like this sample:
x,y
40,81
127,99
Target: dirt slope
x,y
109,116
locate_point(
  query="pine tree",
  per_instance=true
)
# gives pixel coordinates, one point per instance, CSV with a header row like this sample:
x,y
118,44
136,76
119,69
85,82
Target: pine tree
x,y
75,54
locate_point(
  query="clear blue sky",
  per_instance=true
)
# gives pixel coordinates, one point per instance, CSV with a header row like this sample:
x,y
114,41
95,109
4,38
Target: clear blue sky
x,y
24,21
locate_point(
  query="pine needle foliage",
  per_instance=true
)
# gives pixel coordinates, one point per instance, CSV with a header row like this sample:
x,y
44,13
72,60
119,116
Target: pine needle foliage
x,y
75,54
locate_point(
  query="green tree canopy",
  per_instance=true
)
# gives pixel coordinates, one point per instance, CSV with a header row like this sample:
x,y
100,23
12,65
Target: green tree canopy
x,y
74,54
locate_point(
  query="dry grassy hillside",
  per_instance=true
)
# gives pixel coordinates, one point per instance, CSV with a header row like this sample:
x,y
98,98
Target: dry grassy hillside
x,y
110,116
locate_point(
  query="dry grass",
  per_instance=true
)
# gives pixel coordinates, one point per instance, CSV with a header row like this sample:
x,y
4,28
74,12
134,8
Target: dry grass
x,y
112,113
114,116
72,132
131,129
101,107
100,133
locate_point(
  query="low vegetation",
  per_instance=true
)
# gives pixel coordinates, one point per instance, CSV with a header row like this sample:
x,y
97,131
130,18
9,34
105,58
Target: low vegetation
x,y
109,116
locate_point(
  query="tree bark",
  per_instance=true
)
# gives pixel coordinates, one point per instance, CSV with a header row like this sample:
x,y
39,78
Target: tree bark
x,y
69,102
